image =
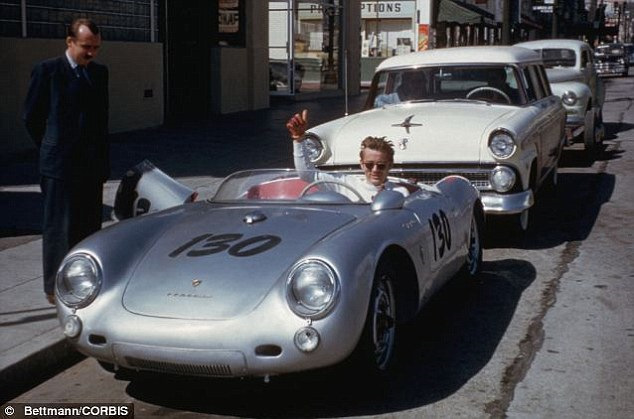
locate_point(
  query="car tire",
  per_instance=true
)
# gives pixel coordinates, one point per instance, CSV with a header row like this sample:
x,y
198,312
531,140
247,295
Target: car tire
x,y
473,264
374,354
522,220
590,132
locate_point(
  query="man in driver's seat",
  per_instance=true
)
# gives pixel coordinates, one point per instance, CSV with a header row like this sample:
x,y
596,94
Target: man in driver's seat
x,y
497,80
376,159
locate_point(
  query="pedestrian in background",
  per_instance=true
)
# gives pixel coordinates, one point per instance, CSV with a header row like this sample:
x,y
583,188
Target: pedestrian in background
x,y
66,115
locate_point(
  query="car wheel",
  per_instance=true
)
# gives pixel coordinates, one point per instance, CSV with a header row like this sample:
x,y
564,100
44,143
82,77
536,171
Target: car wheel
x,y
374,353
522,220
590,132
473,264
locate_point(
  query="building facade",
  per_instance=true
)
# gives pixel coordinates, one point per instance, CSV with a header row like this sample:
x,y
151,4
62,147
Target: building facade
x,y
175,59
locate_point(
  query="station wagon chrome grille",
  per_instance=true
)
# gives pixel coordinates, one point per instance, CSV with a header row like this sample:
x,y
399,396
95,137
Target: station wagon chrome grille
x,y
211,370
479,177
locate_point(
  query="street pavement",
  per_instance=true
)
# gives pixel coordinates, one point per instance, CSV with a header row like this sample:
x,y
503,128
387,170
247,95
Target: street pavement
x,y
198,153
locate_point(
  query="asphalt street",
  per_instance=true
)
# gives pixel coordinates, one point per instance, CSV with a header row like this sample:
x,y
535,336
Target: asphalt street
x,y
546,333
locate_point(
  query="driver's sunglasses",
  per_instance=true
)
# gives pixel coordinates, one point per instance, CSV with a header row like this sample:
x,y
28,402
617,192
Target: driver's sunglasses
x,y
370,165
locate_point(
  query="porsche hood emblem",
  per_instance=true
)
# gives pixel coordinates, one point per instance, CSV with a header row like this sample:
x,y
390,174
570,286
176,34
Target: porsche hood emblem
x,y
407,124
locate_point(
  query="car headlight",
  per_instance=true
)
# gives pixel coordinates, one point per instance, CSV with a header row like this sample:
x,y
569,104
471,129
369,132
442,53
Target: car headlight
x,y
314,147
569,98
78,280
312,288
501,144
502,179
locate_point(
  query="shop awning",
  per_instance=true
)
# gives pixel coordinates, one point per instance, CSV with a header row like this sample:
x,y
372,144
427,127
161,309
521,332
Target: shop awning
x,y
459,12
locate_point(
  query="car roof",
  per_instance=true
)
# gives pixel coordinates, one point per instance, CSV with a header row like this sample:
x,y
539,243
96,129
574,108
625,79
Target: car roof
x,y
553,43
462,55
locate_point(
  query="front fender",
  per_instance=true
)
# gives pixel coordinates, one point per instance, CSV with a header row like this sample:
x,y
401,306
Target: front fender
x,y
581,90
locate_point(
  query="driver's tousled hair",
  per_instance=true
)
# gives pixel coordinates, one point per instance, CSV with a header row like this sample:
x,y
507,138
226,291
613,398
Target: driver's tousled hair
x,y
378,144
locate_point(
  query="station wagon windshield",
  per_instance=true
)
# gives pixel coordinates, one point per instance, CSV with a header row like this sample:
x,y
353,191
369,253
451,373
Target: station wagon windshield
x,y
491,83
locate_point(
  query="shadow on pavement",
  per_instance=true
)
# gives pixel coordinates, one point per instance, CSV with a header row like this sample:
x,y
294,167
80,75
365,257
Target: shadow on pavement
x,y
567,213
22,214
452,339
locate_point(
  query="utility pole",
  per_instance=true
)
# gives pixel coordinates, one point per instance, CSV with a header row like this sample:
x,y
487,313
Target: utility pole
x,y
554,32
506,22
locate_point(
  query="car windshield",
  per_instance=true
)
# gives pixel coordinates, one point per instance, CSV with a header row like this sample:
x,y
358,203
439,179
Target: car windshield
x,y
558,57
491,83
302,187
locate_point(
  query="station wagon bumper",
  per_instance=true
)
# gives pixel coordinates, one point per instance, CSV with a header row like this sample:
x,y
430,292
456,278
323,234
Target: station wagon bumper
x,y
575,125
501,204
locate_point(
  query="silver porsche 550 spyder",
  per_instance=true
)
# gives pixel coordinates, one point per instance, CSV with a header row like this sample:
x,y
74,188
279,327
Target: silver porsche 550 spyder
x,y
275,274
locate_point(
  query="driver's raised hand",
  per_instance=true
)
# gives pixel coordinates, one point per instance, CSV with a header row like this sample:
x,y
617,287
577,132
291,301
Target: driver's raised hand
x,y
297,125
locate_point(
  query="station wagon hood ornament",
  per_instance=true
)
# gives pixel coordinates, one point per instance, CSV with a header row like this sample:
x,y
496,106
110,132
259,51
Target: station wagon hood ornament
x,y
407,124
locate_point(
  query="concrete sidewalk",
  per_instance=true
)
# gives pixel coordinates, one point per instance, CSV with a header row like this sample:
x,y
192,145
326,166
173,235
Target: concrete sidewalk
x,y
198,153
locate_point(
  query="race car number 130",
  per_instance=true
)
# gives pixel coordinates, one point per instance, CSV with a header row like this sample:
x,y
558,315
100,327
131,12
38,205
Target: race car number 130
x,y
209,244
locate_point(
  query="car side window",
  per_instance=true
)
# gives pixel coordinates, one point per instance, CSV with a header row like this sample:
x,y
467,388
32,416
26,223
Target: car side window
x,y
544,81
529,85
533,74
585,58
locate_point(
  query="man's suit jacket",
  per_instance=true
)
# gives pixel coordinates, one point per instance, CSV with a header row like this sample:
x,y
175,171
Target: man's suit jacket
x,y
67,118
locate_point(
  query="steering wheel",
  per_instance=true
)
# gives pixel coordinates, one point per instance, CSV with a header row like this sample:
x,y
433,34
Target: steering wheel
x,y
334,182
489,89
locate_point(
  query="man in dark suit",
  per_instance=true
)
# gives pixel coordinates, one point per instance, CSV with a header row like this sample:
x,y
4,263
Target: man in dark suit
x,y
66,115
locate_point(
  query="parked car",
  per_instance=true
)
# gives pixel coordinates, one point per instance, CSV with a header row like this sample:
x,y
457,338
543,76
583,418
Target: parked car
x,y
572,75
629,49
278,75
612,59
485,113
275,274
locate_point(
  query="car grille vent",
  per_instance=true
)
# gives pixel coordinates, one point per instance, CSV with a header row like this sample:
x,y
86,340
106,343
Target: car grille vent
x,y
479,179
213,370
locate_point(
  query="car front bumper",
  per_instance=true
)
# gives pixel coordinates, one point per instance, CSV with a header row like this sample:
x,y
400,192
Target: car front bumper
x,y
502,204
611,69
254,345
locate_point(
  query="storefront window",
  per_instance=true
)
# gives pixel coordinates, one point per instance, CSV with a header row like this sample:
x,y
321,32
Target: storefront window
x,y
388,27
304,40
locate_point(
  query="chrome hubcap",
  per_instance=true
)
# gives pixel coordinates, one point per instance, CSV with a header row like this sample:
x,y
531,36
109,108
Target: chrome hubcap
x,y
474,248
383,324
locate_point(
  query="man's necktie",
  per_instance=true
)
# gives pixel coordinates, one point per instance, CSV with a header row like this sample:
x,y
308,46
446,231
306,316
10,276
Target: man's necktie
x,y
82,74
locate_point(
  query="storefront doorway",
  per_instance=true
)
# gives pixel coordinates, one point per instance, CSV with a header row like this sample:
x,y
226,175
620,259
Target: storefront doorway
x,y
304,46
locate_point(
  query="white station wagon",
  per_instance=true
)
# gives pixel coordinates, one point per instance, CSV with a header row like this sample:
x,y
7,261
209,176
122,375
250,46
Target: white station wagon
x,y
573,75
485,113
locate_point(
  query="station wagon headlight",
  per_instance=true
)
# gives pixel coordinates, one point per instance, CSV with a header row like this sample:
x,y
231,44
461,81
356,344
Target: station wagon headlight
x,y
312,288
314,147
78,280
501,144
569,98
502,179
